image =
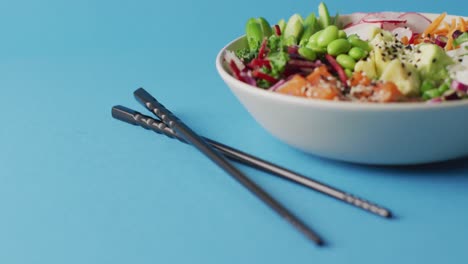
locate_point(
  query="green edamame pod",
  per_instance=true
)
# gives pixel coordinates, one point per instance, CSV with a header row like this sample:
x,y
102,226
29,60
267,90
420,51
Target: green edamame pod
x,y
346,61
356,42
310,27
307,53
266,28
294,27
338,46
324,15
254,34
341,34
329,34
357,53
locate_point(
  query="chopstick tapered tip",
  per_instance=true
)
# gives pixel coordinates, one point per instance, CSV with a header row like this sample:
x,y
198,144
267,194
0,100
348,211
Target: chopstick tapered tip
x,y
388,214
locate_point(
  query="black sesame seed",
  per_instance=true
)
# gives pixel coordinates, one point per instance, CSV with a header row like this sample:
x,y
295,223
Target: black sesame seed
x,y
409,74
434,60
460,60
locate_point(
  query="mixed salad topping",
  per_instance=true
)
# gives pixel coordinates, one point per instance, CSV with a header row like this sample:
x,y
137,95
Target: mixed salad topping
x,y
365,57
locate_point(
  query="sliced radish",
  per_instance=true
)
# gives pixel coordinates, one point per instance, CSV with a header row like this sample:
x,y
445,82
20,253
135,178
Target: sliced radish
x,y
401,32
392,26
352,19
363,30
231,56
381,16
417,22
383,20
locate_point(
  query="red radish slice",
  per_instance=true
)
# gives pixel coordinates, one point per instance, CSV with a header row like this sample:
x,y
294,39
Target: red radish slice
x,y
383,20
392,26
401,32
363,30
381,16
352,19
417,22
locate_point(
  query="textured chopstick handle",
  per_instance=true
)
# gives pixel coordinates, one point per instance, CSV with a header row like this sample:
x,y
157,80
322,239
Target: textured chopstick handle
x,y
136,118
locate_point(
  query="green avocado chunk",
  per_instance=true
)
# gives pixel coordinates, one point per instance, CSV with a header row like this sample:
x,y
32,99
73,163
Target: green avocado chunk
x,y
431,61
404,75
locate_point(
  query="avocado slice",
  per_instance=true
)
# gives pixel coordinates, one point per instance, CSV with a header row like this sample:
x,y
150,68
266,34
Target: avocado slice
x,y
431,61
404,75
367,66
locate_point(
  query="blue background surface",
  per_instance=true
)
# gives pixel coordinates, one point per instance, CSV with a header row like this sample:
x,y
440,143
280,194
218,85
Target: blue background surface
x,y
77,186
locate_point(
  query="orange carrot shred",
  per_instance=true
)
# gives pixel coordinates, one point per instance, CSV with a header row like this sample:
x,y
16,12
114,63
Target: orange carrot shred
x,y
462,24
435,24
404,40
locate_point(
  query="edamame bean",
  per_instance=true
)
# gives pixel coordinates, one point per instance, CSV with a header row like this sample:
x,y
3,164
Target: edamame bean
x,y
341,34
314,37
356,42
353,36
357,53
307,53
316,48
346,61
329,34
349,73
338,46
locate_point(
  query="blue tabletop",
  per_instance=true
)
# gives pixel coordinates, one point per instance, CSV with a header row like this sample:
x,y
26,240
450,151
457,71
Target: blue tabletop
x,y
77,186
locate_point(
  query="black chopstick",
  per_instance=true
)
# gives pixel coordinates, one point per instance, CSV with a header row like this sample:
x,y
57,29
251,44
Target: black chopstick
x,y
191,137
135,118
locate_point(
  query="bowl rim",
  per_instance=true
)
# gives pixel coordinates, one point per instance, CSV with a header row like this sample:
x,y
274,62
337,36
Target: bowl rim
x,y
348,105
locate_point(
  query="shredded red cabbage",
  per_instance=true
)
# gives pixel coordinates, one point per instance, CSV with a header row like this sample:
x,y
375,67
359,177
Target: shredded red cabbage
x,y
338,69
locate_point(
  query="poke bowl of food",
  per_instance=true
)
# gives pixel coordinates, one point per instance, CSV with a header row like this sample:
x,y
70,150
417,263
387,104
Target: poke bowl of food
x,y
387,88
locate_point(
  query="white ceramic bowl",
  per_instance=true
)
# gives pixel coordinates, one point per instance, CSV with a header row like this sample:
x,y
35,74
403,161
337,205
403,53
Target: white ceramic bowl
x,y
368,133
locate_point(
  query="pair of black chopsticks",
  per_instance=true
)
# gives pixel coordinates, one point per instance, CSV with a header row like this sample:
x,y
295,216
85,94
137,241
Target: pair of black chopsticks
x,y
169,125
